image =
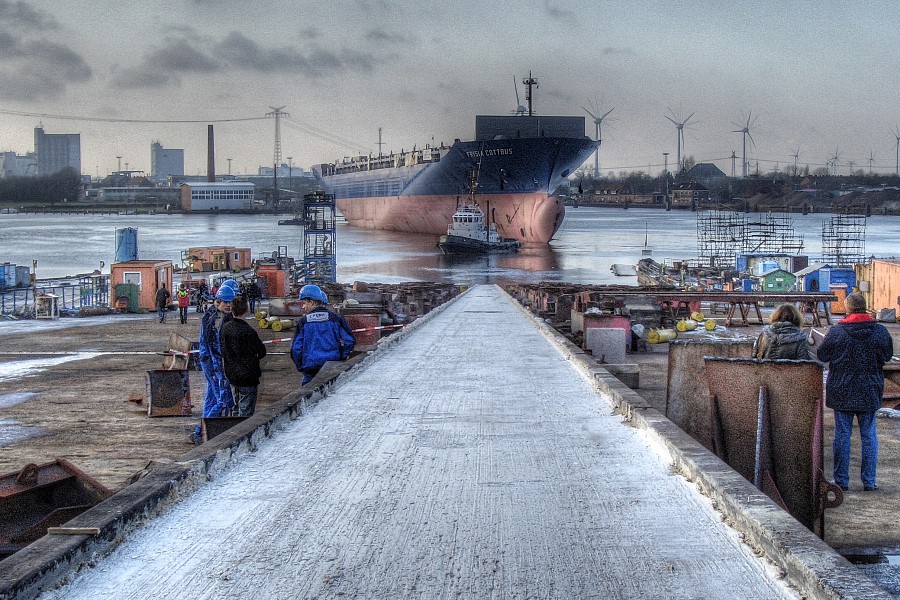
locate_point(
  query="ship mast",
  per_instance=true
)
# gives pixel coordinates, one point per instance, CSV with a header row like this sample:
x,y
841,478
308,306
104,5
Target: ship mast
x,y
529,82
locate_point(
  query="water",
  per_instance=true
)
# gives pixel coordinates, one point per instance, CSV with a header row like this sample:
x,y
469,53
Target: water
x,y
589,242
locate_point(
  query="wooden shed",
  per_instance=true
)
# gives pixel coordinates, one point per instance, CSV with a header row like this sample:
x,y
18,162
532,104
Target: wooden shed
x,y
777,280
147,275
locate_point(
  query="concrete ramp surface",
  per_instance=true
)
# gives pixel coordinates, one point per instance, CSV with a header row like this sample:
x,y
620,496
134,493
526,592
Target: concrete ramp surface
x,y
470,460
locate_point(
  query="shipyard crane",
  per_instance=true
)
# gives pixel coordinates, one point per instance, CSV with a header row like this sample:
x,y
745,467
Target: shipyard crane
x,y
745,130
530,82
520,110
597,123
679,137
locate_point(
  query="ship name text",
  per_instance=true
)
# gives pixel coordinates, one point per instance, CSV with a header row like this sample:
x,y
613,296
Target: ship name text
x,y
490,152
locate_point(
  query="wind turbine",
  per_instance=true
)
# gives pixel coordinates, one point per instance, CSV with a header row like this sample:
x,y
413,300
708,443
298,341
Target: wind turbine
x,y
597,123
796,156
896,132
871,160
679,137
834,161
746,131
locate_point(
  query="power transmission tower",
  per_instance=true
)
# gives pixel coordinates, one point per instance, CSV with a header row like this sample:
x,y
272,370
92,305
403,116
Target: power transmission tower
x,y
277,113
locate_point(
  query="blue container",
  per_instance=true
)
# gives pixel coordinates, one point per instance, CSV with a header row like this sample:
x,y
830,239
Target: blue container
x,y
747,285
126,244
23,277
7,275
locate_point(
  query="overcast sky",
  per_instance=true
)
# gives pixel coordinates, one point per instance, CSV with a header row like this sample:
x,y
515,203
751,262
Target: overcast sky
x,y
818,76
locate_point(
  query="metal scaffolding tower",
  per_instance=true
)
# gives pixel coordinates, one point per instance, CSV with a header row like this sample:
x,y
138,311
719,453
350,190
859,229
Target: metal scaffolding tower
x,y
319,249
722,235
844,240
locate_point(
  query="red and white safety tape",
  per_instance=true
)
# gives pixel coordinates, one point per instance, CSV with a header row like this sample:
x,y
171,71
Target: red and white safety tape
x,y
277,340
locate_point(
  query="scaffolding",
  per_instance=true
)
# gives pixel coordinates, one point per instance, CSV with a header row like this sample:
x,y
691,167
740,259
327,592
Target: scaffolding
x,y
319,258
844,240
722,235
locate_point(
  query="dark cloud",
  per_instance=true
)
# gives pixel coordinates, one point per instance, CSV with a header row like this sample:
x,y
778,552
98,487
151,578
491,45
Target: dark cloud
x,y
22,15
309,33
181,56
381,36
165,65
555,12
33,68
612,50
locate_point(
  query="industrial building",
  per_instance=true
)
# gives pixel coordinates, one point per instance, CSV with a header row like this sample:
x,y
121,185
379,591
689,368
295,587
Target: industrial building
x,y
56,151
16,165
165,162
217,195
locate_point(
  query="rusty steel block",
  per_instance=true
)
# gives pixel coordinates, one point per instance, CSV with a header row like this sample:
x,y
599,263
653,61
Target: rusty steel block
x,y
168,394
766,423
687,396
210,427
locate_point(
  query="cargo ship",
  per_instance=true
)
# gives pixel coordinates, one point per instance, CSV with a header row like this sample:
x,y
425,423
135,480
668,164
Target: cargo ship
x,y
510,170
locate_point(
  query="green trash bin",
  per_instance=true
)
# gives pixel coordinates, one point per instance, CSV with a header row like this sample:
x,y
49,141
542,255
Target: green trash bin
x,y
127,297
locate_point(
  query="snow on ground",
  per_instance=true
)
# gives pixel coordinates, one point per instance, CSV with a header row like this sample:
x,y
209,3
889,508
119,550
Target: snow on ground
x,y
471,460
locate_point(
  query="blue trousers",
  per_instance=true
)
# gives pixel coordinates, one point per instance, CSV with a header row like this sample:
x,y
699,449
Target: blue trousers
x,y
213,393
244,400
843,428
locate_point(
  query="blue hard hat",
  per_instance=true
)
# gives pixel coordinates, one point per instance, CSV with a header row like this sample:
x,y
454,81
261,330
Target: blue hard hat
x,y
313,292
226,293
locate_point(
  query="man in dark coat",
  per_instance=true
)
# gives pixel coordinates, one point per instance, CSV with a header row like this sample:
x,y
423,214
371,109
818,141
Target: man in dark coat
x,y
162,302
241,352
856,350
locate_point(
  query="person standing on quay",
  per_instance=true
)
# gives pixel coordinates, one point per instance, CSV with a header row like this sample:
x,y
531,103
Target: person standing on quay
x,y
321,335
184,301
783,338
241,352
218,391
162,302
856,350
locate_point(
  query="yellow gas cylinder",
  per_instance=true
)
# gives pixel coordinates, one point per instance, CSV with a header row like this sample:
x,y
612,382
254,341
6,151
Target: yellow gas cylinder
x,y
686,325
282,324
698,316
661,336
709,325
268,321
260,315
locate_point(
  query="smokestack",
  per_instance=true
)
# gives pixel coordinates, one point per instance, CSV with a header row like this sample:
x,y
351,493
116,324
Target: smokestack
x,y
211,155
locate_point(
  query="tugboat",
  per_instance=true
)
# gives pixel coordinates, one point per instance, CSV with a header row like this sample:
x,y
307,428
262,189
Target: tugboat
x,y
468,234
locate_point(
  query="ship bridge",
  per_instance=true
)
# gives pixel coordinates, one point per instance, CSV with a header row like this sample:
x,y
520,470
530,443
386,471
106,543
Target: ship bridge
x,y
474,455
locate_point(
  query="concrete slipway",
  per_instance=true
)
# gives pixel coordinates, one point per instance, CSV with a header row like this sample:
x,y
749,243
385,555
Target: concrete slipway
x,y
479,456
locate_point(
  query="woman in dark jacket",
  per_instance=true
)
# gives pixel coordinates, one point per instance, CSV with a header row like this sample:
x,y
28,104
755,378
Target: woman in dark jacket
x,y
783,338
856,350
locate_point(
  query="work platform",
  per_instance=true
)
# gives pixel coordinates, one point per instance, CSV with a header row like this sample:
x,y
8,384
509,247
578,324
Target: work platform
x,y
477,456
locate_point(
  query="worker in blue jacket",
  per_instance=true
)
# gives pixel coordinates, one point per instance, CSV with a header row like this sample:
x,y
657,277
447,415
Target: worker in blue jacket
x,y
321,334
855,349
218,397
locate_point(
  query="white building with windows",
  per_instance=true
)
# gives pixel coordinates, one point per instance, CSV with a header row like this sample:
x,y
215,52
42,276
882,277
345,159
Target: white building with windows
x,y
217,195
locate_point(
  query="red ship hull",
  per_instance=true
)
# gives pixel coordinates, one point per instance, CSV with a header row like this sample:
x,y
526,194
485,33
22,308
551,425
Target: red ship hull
x,y
527,217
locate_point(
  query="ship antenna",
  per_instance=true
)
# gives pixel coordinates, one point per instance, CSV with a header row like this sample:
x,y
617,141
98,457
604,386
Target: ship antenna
x,y
529,82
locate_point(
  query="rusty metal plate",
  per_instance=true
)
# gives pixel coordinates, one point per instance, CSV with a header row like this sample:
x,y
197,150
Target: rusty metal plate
x,y
780,446
687,396
168,393
210,427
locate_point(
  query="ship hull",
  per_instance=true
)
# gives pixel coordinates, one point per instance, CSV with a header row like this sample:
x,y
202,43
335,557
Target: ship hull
x,y
525,217
512,180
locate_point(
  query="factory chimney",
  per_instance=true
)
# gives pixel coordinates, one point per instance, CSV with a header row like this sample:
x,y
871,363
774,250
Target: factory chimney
x,y
211,156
